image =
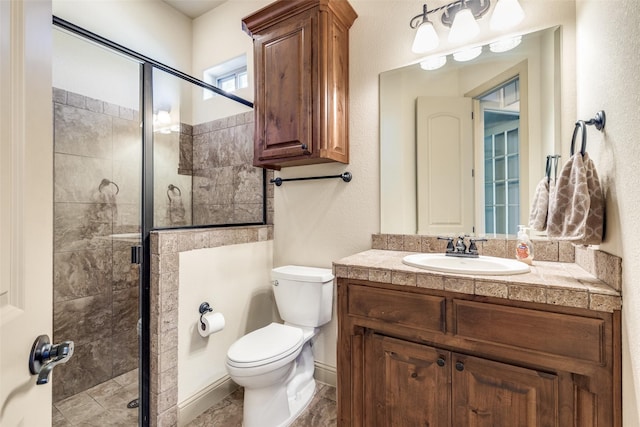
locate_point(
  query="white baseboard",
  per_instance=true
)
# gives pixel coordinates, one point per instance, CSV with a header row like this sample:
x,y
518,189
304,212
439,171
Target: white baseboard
x,y
191,408
325,374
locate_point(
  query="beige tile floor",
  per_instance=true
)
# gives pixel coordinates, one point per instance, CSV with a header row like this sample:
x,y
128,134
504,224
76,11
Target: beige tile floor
x,y
106,405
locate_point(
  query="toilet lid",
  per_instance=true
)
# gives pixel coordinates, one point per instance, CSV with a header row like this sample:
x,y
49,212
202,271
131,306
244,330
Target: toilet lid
x,y
265,345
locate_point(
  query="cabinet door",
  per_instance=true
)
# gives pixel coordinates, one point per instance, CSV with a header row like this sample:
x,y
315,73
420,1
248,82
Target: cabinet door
x,y
490,394
283,90
405,384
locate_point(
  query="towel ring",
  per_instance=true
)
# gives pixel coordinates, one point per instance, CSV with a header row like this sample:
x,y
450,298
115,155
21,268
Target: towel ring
x,y
581,125
106,182
171,189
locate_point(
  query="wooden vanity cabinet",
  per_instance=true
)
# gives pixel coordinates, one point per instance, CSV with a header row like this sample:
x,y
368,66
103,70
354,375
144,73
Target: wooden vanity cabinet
x,y
416,357
301,63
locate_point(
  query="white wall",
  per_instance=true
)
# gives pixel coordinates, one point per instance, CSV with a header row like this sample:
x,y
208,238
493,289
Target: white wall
x,y
234,280
152,28
608,42
218,37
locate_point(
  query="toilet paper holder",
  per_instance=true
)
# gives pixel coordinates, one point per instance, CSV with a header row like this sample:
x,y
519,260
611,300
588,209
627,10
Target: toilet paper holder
x,y
204,308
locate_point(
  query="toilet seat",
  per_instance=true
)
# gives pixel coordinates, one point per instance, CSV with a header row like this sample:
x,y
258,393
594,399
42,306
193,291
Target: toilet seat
x,y
265,345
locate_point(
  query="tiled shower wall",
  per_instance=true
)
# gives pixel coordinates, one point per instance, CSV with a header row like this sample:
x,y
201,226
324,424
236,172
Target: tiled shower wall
x,y
227,189
95,284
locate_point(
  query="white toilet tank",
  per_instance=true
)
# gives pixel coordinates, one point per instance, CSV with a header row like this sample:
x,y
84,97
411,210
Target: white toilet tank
x,y
304,295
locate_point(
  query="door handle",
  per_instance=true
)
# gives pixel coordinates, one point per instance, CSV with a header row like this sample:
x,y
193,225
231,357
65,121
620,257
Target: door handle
x,y
45,356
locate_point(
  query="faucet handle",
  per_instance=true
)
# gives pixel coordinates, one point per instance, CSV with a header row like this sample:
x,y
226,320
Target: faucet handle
x,y
449,240
473,249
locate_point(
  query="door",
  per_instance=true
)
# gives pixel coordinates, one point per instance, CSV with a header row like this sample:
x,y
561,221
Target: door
x,y
488,394
444,135
26,192
284,58
405,384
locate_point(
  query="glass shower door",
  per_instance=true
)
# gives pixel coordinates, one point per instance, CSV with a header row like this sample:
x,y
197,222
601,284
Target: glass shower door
x,y
97,202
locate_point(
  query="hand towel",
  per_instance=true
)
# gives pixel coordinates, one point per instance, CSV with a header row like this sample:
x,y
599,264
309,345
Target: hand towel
x,y
576,207
176,211
540,206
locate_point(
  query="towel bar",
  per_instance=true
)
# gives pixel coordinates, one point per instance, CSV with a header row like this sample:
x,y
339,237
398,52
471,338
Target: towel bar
x,y
346,177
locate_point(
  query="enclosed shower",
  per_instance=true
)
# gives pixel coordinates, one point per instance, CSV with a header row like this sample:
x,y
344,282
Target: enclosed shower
x,y
137,147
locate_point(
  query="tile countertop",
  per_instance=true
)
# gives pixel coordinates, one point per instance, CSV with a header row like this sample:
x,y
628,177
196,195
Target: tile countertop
x,y
557,283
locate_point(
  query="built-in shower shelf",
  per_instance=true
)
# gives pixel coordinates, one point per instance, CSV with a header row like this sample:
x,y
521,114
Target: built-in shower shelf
x,y
124,237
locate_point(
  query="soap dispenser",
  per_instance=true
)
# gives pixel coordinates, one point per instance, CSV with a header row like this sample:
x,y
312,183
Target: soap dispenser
x,y
524,247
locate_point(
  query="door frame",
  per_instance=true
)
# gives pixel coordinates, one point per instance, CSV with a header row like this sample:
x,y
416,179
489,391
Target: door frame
x,y
519,70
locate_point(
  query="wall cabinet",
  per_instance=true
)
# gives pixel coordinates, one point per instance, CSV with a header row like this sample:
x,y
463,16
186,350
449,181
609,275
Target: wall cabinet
x,y
417,357
301,63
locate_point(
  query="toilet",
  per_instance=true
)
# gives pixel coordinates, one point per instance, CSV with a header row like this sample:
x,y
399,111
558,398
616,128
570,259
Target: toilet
x,y
274,364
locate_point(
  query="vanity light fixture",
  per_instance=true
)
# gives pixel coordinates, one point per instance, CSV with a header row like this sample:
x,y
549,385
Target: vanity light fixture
x,y
461,16
464,27
505,44
507,14
433,62
426,37
467,54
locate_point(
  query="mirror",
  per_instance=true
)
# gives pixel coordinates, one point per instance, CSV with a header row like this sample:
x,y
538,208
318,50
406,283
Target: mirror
x,y
443,173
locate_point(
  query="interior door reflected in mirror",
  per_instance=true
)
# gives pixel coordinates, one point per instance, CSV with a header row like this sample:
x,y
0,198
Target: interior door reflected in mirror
x,y
463,146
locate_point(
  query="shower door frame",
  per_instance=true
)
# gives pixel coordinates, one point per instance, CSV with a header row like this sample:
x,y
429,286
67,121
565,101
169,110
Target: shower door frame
x,y
147,197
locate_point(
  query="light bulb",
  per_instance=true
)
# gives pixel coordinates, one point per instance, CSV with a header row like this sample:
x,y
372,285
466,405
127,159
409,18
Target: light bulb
x,y
464,27
505,44
507,14
426,38
467,54
433,63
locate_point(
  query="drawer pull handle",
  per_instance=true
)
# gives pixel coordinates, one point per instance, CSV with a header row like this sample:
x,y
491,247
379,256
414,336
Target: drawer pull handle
x,y
459,366
440,361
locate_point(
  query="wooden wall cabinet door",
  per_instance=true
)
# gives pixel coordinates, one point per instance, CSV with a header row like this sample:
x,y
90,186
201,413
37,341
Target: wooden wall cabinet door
x,y
301,67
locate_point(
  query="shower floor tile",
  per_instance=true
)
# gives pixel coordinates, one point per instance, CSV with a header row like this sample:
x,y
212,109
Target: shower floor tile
x,y
102,405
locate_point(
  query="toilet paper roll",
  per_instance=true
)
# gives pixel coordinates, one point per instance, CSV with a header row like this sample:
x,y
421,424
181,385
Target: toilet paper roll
x,y
210,323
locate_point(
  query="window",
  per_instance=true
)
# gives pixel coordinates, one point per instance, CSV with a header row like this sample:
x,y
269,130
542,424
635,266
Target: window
x,y
229,76
501,111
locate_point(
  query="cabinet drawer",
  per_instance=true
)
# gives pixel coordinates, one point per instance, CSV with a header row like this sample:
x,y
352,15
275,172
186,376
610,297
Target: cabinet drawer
x,y
552,333
414,310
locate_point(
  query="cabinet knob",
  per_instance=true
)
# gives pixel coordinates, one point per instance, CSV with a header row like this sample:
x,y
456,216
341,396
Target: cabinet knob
x,y
303,146
459,366
440,361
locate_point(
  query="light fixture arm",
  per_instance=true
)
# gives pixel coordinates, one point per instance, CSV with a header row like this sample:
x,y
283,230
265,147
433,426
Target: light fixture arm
x,y
478,8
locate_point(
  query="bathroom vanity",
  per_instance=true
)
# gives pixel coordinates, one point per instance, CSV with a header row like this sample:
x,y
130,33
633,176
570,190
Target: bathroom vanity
x,y
424,348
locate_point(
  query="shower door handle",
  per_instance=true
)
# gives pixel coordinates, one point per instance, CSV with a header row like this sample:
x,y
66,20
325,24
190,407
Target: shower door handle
x,y
45,356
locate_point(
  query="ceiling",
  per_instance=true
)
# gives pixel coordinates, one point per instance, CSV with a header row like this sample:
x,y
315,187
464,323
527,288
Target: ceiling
x,y
194,8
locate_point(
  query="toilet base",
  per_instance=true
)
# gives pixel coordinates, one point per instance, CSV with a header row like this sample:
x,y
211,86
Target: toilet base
x,y
281,403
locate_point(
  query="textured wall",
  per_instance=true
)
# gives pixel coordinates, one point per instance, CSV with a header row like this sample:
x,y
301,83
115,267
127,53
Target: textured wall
x,y
608,42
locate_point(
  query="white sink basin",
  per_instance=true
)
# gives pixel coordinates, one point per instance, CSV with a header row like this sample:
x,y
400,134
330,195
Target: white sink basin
x,y
483,265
